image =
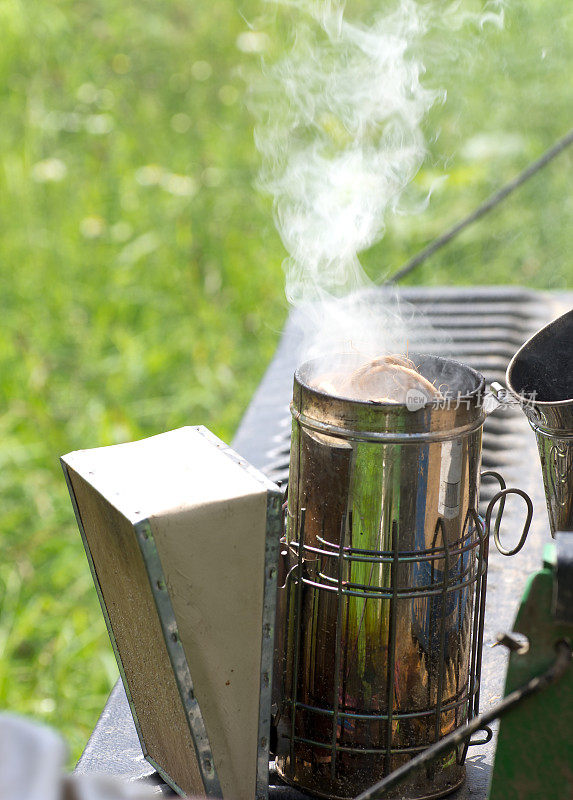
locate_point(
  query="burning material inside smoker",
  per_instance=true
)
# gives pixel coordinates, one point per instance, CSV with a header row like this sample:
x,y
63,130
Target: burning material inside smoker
x,y
387,379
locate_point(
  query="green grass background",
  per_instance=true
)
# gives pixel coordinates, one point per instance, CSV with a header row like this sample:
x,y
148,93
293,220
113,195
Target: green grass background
x,y
141,279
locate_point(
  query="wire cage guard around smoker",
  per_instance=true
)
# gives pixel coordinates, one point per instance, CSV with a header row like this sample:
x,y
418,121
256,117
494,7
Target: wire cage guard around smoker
x,y
411,612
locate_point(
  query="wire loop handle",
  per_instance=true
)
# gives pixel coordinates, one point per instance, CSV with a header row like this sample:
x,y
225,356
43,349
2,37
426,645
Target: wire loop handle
x,y
500,497
485,739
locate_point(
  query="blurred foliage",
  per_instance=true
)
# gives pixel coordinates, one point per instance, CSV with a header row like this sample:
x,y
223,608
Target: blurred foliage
x,y
141,275
509,97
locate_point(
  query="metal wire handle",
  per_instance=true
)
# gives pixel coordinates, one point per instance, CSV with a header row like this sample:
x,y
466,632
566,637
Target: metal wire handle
x,y
489,204
500,497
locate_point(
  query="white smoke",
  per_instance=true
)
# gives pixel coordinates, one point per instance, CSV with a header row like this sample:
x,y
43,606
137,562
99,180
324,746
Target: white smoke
x,y
340,132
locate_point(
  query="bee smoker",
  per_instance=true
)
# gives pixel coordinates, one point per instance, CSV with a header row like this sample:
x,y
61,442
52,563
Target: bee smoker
x,y
381,603
540,375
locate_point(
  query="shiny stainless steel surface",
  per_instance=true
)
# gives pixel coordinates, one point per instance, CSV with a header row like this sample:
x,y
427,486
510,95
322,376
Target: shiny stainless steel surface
x,y
541,376
384,578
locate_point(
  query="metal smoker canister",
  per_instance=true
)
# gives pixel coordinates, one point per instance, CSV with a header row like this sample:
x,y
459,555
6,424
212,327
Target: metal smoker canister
x,y
541,375
381,608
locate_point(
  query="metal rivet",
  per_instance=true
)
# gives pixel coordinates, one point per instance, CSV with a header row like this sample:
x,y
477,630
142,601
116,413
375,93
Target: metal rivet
x,y
263,742
160,584
266,678
266,630
207,764
175,636
273,572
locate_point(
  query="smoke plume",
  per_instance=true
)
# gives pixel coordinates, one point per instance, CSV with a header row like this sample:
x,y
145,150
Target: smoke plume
x,y
339,128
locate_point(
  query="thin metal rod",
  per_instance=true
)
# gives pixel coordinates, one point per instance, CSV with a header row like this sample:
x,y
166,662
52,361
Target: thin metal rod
x,y
337,648
314,619
373,751
459,638
483,589
345,666
431,655
484,208
476,636
478,626
400,715
442,651
378,593
457,737
387,556
297,634
288,588
392,646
